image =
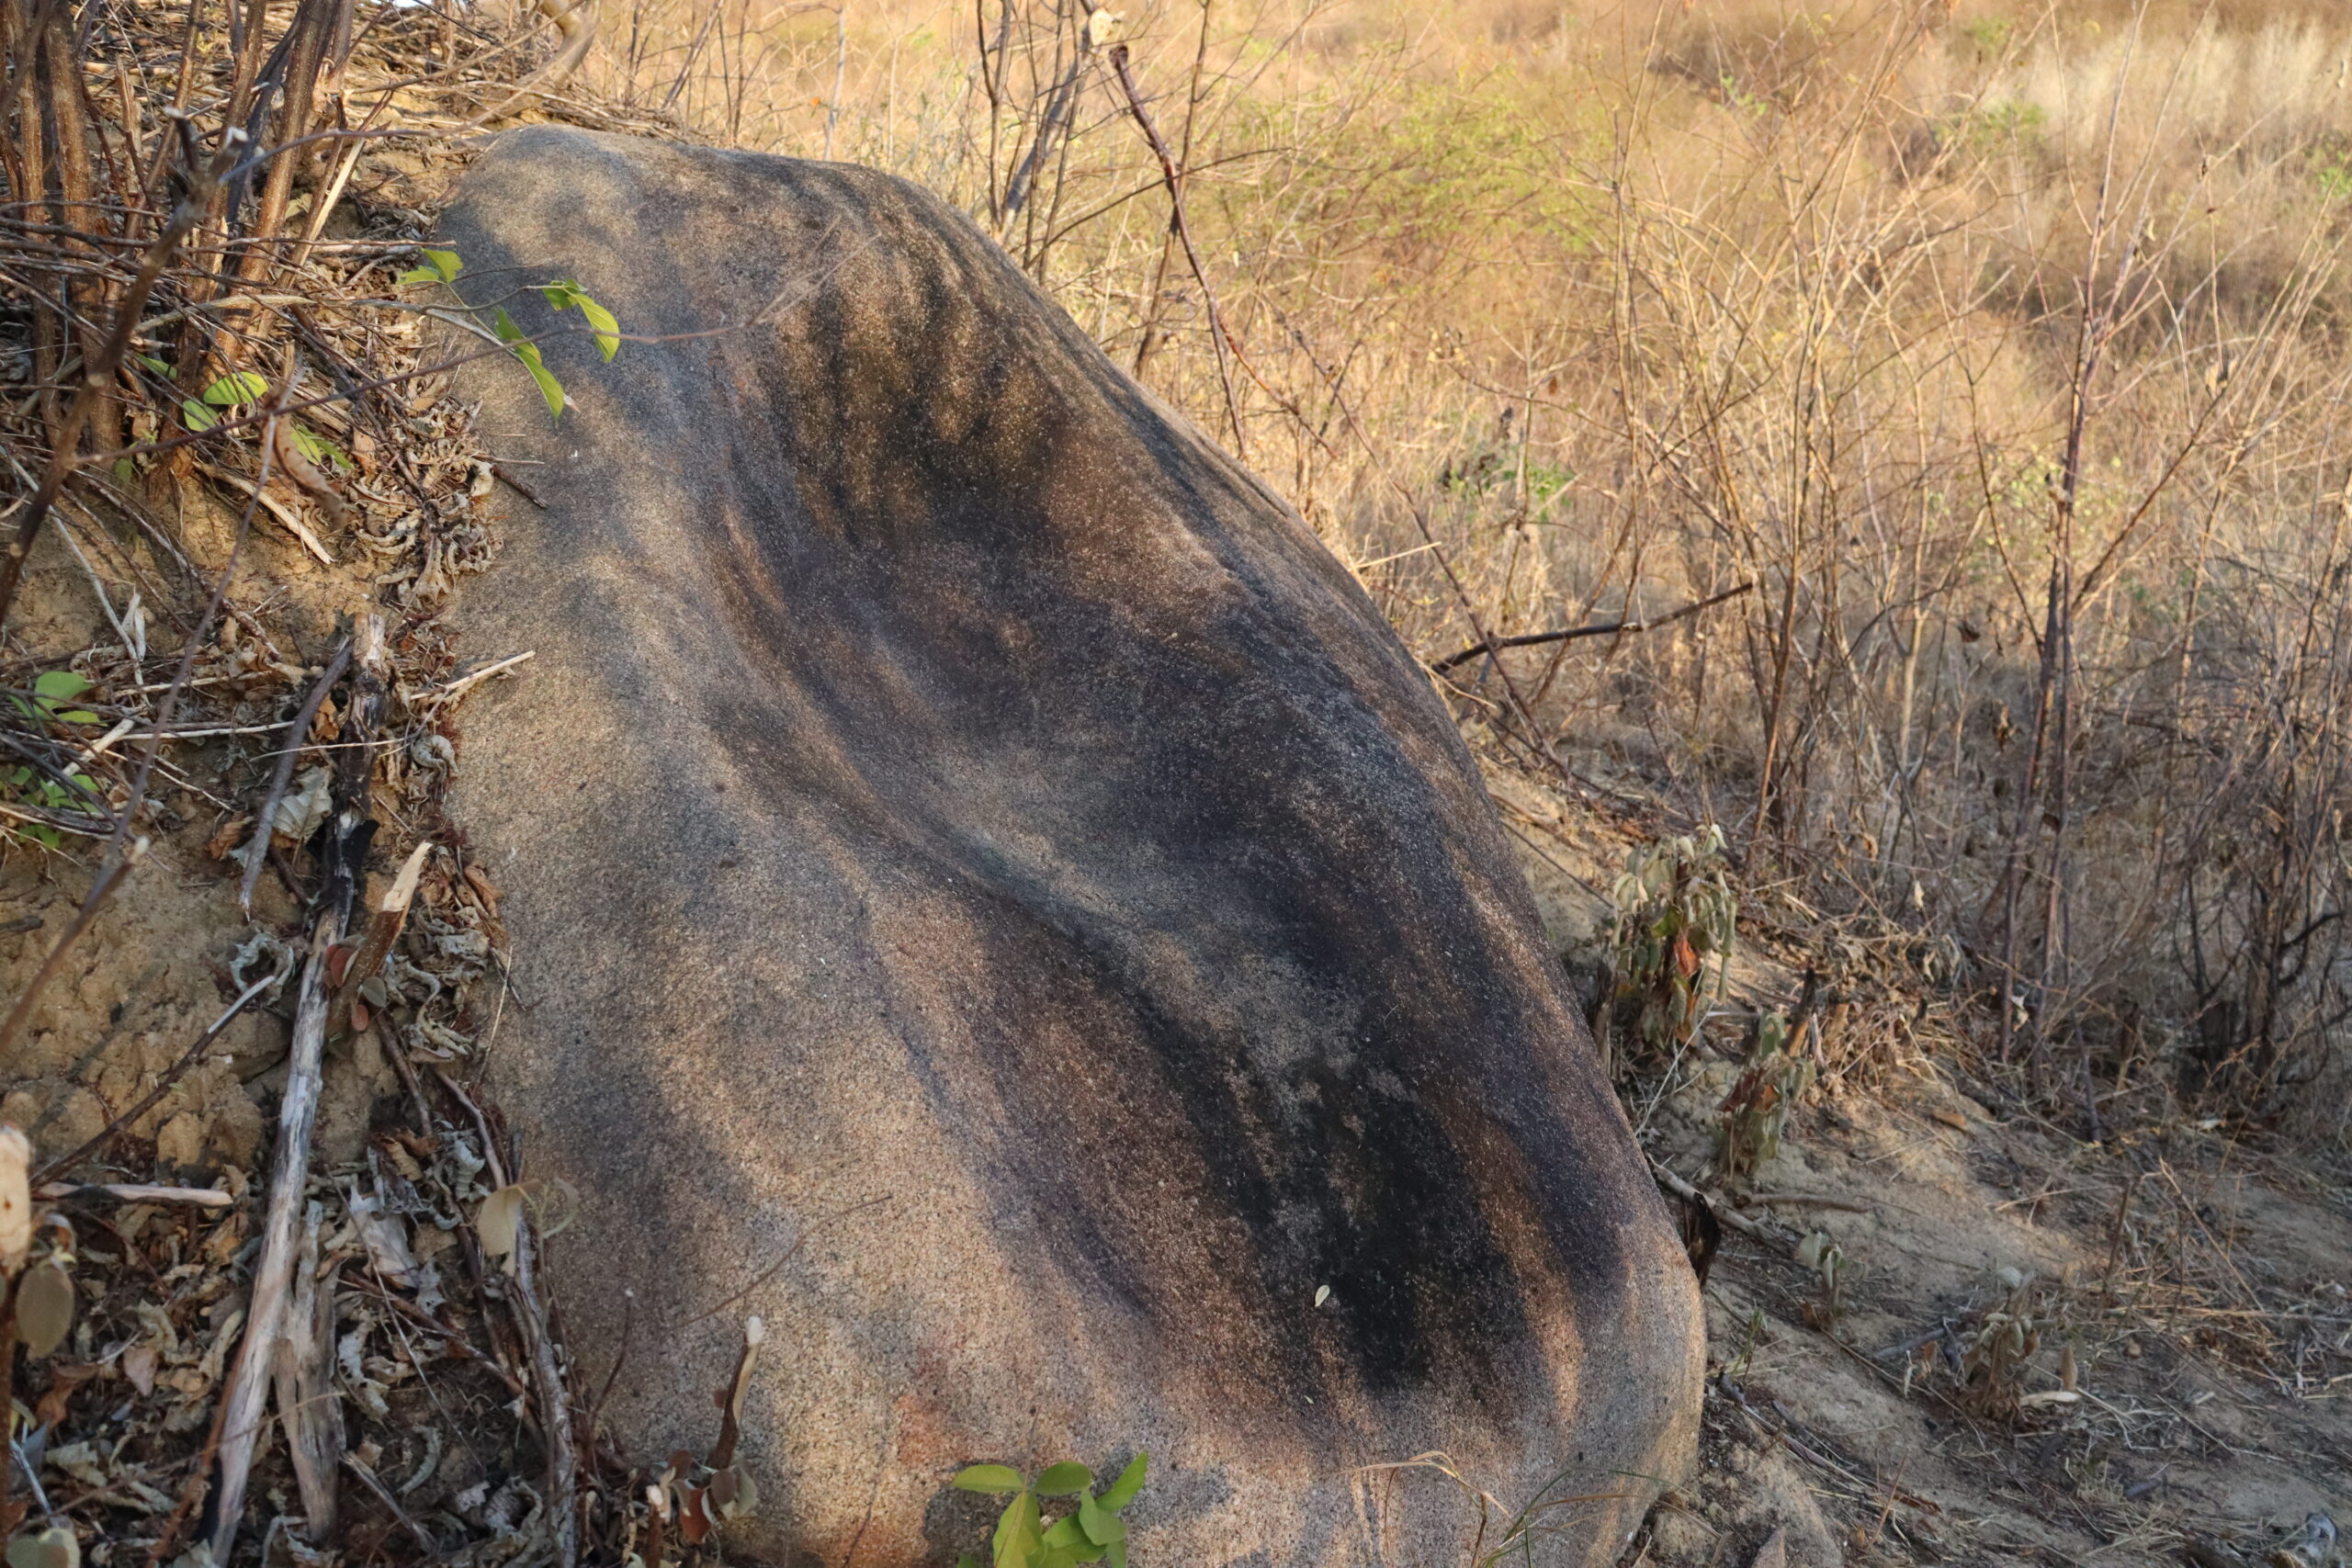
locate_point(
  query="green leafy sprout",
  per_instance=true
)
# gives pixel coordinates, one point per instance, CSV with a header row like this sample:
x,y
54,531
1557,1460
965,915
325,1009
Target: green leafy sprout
x,y
53,699
564,295
233,390
1091,1532
441,266
53,690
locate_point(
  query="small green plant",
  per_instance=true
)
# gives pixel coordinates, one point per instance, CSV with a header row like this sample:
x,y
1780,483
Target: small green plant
x,y
442,267
52,691
237,389
76,794
53,699
1091,1532
1675,911
1779,1069
1736,1368
224,398
1990,35
2332,172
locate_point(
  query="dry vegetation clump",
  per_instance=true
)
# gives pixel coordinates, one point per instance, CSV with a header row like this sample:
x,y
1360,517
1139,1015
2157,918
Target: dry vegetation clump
x,y
240,498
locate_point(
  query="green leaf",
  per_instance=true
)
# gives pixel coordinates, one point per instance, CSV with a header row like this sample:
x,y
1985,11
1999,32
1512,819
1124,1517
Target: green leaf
x,y
1117,1555
602,323
1123,1490
1018,1540
320,450
968,1561
237,387
528,351
124,470
1066,1550
565,295
440,267
1062,1480
157,365
197,417
1101,1525
55,688
994,1478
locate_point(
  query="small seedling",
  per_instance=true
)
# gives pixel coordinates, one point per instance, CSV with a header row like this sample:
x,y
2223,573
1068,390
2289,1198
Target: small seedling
x,y
237,389
1738,1366
442,267
1091,1532
53,690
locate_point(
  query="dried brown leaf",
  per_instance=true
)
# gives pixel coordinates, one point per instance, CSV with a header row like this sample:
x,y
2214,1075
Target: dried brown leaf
x,y
44,1307
500,1222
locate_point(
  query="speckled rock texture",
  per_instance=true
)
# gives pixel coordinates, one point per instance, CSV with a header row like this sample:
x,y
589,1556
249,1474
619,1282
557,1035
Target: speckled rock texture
x,y
994,898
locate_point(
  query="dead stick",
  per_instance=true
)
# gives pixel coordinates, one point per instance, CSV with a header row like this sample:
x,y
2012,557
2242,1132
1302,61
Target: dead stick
x,y
298,1117
258,850
382,931
308,1404
375,1484
1174,179
1597,628
137,1192
1722,1212
555,1417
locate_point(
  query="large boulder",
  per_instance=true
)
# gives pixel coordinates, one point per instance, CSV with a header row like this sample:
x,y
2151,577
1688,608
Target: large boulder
x,y
995,899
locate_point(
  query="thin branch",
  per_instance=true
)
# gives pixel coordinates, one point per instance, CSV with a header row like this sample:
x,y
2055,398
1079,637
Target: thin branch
x,y
1175,182
1597,628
